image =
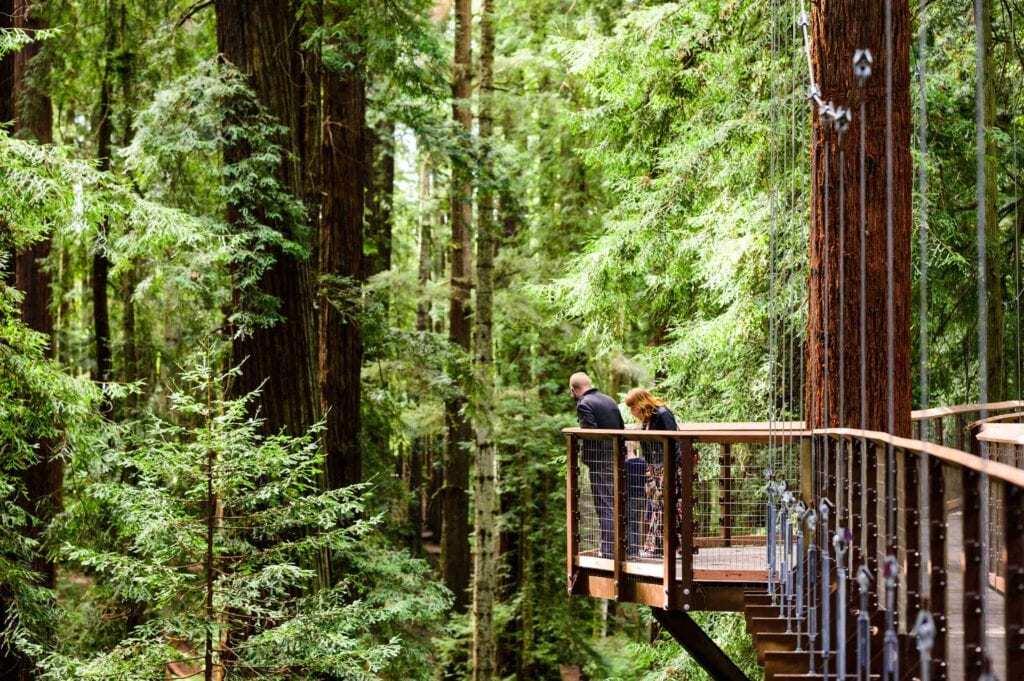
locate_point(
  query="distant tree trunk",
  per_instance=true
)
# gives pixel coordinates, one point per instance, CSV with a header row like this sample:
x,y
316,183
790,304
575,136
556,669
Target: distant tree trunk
x,y
414,480
380,198
341,252
435,484
995,256
130,370
33,119
839,28
6,116
455,558
426,217
100,261
485,568
262,39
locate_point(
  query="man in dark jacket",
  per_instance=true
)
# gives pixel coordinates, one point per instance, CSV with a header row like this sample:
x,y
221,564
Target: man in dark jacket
x,y
594,409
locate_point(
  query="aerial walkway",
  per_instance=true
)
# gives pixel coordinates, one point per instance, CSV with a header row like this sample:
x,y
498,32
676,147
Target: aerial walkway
x,y
887,557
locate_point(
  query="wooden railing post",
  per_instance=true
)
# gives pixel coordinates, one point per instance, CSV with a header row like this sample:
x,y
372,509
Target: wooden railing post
x,y
618,512
572,511
725,492
1013,529
668,538
686,527
974,580
937,558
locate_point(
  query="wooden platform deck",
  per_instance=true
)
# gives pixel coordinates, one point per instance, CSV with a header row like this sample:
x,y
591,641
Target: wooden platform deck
x,y
719,564
995,630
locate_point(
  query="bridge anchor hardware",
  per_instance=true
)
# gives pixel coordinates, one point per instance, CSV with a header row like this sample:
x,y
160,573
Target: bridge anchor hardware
x,y
864,624
841,544
890,653
924,629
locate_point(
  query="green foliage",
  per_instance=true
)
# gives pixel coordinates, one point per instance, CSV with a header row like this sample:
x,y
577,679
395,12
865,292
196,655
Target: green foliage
x,y
176,155
198,505
42,410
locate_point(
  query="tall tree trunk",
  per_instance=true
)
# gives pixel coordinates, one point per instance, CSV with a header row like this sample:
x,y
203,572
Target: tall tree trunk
x,y
485,555
6,116
130,370
100,262
426,217
380,198
27,103
839,28
455,558
262,39
33,119
995,257
341,252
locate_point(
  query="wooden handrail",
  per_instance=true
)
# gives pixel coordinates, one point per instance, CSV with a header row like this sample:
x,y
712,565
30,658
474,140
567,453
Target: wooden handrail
x,y
995,470
1002,433
998,418
952,410
721,433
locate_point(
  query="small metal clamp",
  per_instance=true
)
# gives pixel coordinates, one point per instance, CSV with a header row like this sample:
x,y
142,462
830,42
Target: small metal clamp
x,y
862,61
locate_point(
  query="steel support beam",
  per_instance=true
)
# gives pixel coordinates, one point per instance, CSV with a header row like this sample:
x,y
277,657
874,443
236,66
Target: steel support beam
x,y
700,646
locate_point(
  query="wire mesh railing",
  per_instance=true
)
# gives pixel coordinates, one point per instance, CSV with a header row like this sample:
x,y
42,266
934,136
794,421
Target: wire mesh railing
x,y
653,508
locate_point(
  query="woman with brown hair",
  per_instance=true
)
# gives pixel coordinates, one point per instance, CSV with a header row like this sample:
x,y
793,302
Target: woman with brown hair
x,y
652,414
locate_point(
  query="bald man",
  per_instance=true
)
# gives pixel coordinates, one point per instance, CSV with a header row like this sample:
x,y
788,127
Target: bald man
x,y
594,409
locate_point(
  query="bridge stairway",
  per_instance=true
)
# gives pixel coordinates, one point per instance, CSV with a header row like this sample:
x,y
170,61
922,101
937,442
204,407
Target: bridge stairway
x,y
777,644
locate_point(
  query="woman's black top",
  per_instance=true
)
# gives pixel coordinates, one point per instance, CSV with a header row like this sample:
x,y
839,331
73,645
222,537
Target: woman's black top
x,y
661,419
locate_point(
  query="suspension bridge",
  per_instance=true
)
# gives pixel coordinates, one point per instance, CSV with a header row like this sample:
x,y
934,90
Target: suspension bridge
x,y
860,539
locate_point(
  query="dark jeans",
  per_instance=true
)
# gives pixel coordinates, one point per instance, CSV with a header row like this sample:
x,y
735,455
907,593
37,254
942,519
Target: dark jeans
x,y
597,456
601,486
638,504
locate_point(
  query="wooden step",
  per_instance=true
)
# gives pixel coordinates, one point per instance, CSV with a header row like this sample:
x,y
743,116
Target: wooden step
x,y
759,625
754,611
785,662
756,598
778,642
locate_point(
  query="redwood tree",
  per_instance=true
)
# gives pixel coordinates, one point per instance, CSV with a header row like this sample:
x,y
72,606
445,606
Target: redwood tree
x,y
100,262
262,39
28,105
455,559
838,29
341,255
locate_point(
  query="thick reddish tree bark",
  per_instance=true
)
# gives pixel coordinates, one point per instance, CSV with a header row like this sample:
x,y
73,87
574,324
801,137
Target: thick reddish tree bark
x,y
838,29
262,39
455,558
341,255
28,106
31,112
